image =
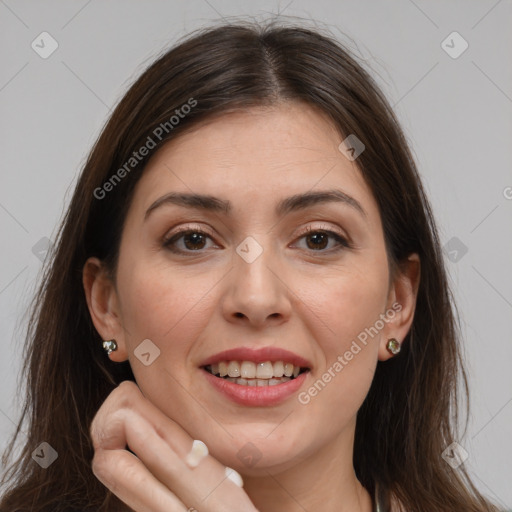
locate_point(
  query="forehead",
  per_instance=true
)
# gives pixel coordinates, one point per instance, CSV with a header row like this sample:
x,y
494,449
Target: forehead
x,y
259,154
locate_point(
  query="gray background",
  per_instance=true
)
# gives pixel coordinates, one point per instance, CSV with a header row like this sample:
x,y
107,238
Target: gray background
x,y
456,113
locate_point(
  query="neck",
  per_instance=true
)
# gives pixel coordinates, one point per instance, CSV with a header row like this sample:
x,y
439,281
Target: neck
x,y
324,480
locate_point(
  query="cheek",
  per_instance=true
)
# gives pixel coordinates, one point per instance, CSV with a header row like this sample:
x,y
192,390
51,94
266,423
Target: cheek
x,y
171,310
349,348
345,304
163,305
347,308
356,308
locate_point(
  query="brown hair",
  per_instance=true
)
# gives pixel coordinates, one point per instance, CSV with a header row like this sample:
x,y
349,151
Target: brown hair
x,y
410,413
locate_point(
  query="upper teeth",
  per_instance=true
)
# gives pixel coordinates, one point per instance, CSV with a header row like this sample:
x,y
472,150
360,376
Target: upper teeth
x,y
251,370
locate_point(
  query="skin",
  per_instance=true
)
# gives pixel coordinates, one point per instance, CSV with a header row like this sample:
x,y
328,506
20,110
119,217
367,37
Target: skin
x,y
300,294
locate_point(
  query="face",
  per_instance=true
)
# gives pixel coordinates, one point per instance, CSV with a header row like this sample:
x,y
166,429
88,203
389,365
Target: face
x,y
265,267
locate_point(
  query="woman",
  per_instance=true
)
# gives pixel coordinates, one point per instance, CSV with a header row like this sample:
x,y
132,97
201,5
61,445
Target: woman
x,y
248,307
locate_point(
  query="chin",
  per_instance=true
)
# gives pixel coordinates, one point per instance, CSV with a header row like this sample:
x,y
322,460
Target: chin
x,y
254,454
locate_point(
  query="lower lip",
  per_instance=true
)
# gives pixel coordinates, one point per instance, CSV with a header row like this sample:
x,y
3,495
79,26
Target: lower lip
x,y
255,396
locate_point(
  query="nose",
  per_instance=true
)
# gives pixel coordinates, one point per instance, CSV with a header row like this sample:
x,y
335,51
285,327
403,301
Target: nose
x,y
257,293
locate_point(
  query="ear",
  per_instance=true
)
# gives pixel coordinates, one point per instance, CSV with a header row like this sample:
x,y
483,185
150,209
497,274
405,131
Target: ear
x,y
103,305
402,297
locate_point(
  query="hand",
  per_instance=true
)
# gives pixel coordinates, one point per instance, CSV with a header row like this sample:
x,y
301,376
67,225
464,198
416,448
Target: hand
x,y
155,477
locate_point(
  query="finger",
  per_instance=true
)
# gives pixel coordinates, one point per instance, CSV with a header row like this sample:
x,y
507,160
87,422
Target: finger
x,y
207,487
127,477
128,396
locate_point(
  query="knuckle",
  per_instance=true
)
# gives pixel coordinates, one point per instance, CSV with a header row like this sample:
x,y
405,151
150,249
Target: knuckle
x,y
99,466
104,469
98,436
131,472
124,394
95,431
111,433
121,398
127,386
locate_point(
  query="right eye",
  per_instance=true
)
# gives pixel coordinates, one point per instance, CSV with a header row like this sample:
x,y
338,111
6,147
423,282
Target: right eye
x,y
187,240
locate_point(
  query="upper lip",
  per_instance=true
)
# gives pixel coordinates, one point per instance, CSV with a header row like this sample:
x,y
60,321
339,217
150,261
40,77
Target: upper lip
x,y
259,355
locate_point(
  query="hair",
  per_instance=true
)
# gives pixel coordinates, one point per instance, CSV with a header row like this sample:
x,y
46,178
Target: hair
x,y
411,412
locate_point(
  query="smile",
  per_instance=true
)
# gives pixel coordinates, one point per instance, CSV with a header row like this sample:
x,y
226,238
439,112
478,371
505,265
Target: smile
x,y
249,373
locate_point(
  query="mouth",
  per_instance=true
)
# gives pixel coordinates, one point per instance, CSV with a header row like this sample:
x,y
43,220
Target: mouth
x,y
249,373
263,377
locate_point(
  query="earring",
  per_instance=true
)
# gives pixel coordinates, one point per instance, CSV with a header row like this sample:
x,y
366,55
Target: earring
x,y
393,346
110,346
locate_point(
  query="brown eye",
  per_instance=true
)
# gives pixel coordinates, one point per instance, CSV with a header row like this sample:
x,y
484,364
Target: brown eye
x,y
322,240
194,241
189,240
318,240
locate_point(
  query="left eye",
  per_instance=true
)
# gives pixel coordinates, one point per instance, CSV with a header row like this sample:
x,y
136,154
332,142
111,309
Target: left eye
x,y
318,240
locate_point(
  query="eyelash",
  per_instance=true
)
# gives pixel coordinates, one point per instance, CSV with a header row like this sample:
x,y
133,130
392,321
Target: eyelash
x,y
342,242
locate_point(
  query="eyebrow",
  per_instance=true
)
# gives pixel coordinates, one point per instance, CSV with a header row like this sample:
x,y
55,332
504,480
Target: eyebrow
x,y
290,204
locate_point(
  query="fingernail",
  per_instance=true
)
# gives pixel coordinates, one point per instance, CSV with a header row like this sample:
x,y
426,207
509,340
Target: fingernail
x,y
234,476
198,452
